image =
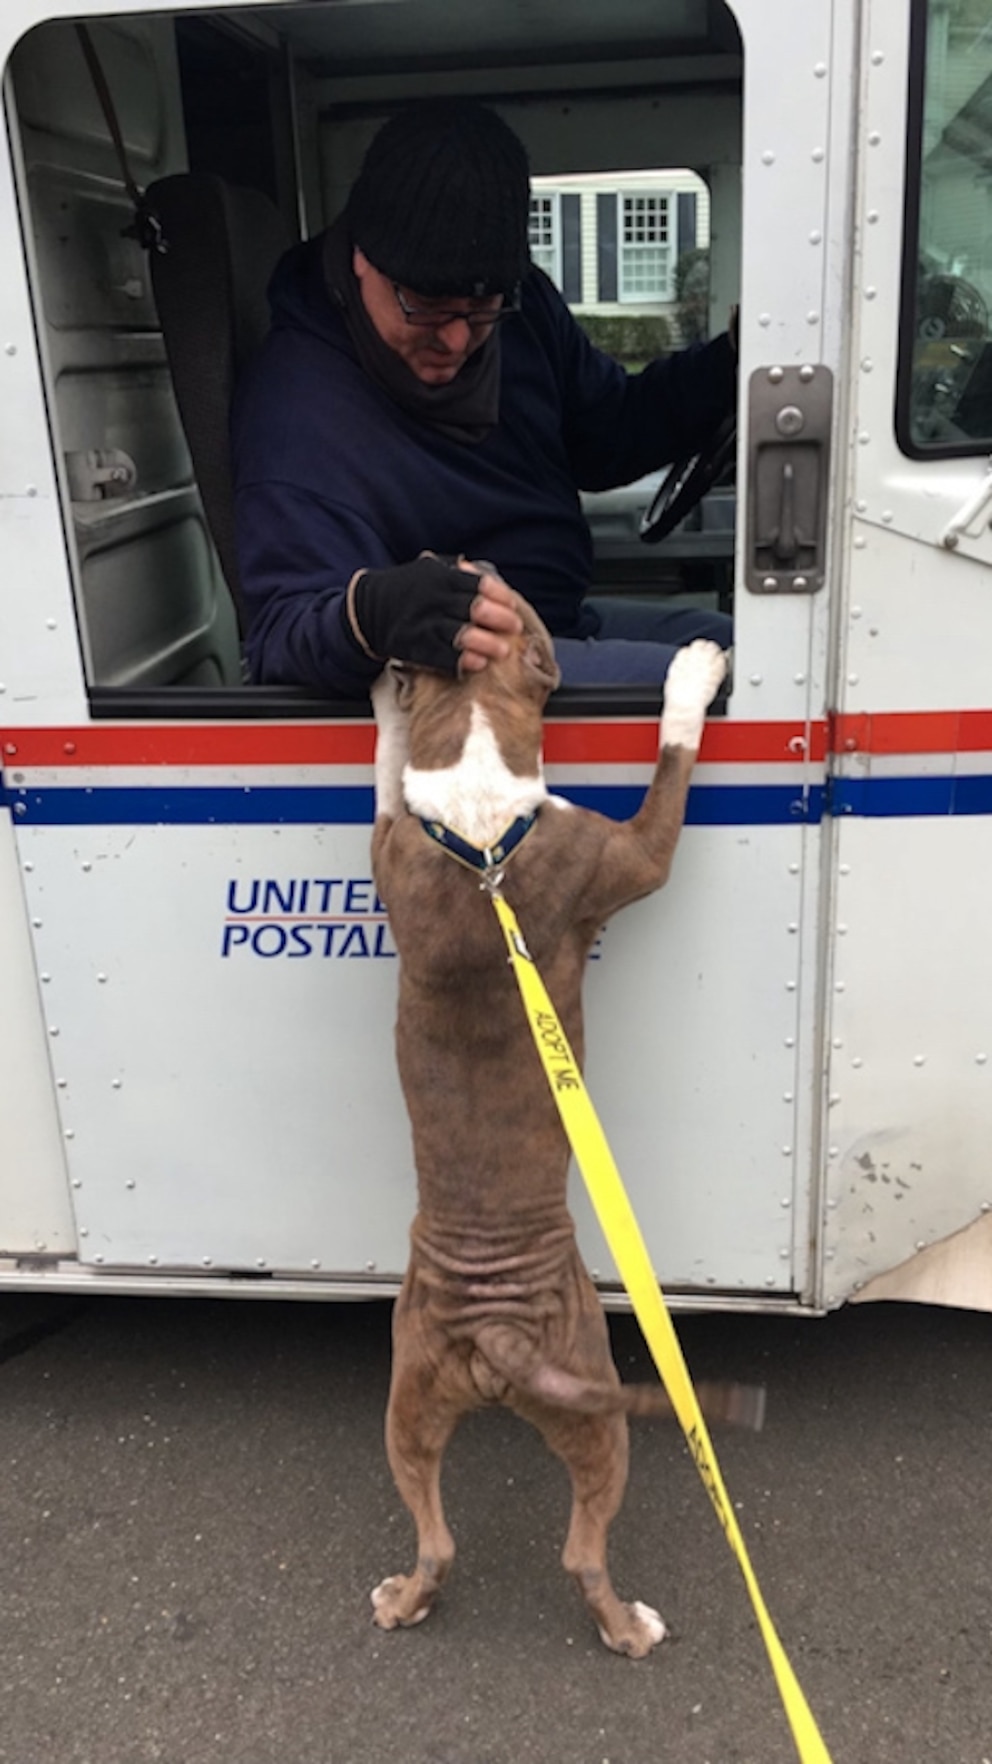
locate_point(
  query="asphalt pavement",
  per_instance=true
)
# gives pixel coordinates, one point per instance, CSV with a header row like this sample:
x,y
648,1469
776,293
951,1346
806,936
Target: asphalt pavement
x,y
195,1503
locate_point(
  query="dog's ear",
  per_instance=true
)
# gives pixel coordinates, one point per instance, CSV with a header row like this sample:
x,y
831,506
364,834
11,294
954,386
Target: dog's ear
x,y
539,660
403,681
538,650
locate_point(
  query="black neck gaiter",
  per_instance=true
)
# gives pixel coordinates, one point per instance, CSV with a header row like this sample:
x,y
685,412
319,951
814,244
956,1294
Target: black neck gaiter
x,y
465,410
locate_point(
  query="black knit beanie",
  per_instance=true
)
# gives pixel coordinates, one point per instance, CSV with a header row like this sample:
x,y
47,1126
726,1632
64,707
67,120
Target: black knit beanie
x,y
442,200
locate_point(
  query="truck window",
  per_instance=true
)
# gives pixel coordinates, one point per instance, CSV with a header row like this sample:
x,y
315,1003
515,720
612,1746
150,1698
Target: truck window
x,y
285,110
630,251
945,370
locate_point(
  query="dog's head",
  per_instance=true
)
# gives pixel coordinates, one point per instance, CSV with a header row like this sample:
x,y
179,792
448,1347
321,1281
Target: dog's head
x,y
530,670
512,690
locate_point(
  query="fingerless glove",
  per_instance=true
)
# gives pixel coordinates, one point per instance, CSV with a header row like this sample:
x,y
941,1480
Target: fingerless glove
x,y
412,612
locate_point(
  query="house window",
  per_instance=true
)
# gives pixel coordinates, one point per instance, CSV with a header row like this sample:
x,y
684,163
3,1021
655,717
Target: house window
x,y
646,255
545,235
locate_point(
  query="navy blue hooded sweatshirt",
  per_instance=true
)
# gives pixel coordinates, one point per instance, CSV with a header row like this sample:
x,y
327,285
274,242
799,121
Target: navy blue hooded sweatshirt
x,y
331,475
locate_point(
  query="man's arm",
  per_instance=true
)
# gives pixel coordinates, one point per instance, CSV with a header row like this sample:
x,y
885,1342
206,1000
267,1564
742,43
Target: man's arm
x,y
313,621
618,426
639,422
295,557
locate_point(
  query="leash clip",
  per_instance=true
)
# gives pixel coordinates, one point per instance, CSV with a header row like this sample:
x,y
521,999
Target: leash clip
x,y
492,881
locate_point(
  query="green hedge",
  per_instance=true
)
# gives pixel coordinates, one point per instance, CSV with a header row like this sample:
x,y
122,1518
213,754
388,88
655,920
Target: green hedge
x,y
631,341
692,291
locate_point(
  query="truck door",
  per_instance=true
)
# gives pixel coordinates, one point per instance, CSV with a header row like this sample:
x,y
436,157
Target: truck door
x,y
705,1026
909,1055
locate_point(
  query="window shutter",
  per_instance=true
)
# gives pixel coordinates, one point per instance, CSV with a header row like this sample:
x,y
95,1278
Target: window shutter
x,y
606,244
686,235
571,248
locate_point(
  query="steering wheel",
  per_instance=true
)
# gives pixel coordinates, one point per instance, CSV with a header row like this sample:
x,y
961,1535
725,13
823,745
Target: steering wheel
x,y
687,482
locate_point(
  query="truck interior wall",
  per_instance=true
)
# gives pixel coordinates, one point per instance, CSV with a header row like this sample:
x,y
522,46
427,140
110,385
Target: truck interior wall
x,y
154,609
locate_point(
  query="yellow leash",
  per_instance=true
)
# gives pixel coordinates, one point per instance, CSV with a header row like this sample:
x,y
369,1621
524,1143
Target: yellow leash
x,y
623,1234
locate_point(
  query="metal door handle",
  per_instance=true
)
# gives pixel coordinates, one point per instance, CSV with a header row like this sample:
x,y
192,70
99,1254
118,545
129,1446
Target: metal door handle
x,y
788,478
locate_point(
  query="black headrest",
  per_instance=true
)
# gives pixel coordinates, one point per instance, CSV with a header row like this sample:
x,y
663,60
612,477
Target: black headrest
x,y
210,271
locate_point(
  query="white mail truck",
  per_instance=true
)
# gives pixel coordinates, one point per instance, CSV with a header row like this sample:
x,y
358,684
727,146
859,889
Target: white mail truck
x,y
791,1047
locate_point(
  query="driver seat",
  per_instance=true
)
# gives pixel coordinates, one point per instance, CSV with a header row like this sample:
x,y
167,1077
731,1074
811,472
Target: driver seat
x,y
213,249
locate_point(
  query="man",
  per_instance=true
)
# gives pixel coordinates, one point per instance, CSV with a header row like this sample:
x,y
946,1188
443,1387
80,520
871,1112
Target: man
x,y
425,397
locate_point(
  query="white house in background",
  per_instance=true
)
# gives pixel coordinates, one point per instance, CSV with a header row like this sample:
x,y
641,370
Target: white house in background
x,y
610,241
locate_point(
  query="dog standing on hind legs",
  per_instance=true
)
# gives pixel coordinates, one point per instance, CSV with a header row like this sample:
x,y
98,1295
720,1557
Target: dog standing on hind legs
x,y
496,1305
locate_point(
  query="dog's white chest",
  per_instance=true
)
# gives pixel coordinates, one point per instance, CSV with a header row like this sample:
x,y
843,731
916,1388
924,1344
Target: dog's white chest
x,y
478,795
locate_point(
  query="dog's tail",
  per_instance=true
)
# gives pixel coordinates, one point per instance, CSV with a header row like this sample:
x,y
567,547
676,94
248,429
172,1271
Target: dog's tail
x,y
505,1360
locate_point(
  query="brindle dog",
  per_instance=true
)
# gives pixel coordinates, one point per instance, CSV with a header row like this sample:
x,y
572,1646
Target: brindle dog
x,y
496,1305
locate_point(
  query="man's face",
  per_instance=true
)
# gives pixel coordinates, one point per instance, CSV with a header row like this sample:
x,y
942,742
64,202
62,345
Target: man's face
x,y
435,353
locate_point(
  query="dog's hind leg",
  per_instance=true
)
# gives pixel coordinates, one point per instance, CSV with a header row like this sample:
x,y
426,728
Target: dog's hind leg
x,y
419,1425
595,1450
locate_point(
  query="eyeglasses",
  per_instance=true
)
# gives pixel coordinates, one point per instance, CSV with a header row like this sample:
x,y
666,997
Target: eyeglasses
x,y
477,319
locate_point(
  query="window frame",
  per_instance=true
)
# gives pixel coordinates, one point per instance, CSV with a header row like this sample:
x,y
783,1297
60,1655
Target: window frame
x,y
553,197
909,268
670,199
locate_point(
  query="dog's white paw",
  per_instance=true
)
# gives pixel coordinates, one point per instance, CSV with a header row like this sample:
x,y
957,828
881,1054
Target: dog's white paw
x,y
641,1629
653,1621
690,684
392,1605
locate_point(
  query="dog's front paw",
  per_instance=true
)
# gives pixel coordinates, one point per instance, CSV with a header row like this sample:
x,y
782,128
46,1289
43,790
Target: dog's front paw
x,y
399,1602
638,1630
692,680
